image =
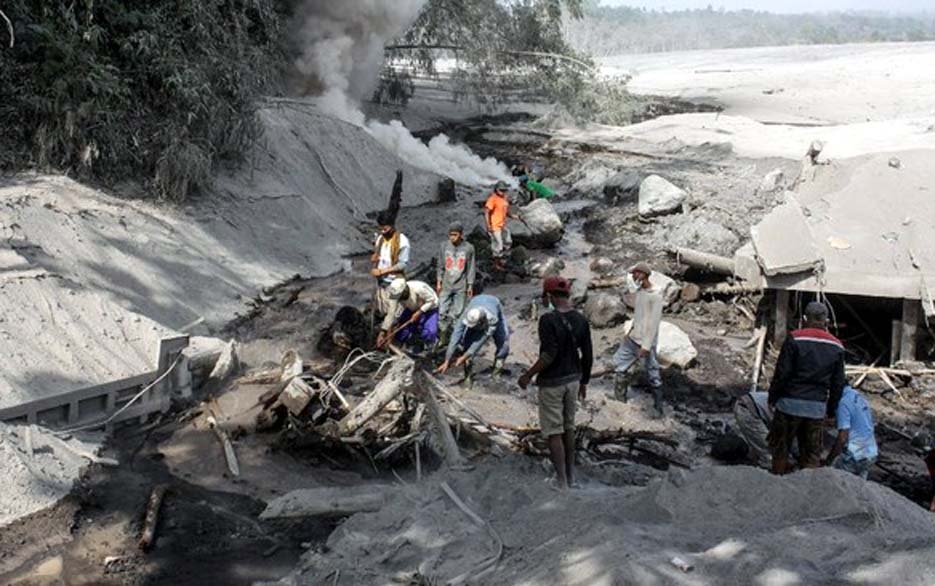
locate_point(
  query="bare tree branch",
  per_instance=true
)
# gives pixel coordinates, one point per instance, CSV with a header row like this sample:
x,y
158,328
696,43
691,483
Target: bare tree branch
x,y
9,26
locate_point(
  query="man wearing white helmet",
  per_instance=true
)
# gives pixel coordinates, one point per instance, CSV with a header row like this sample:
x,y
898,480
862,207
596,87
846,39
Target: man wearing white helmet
x,y
412,314
482,320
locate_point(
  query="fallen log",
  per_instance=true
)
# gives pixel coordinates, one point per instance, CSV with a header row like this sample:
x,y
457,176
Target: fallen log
x,y
230,456
732,289
151,520
338,501
398,378
704,261
440,419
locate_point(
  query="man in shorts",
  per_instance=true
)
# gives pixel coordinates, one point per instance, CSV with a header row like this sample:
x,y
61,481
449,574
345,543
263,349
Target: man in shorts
x,y
562,373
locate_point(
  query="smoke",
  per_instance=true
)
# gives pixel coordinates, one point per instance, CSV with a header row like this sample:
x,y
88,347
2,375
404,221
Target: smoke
x,y
340,53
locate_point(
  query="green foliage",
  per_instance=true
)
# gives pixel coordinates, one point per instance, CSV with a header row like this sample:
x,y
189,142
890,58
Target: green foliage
x,y
515,49
113,90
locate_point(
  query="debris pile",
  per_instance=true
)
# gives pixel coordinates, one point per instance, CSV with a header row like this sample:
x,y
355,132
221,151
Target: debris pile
x,y
39,468
500,525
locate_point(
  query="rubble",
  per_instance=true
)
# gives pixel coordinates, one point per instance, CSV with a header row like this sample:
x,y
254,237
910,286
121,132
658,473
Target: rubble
x,y
772,181
540,227
39,469
623,188
674,347
605,310
658,197
545,268
703,518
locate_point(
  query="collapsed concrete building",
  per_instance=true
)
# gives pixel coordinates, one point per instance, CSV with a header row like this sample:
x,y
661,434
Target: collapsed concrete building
x,y
859,233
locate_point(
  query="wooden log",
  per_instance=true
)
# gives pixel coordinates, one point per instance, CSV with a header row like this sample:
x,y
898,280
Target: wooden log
x,y
910,326
332,501
731,289
781,317
758,359
151,520
705,261
398,378
690,292
440,419
230,456
291,365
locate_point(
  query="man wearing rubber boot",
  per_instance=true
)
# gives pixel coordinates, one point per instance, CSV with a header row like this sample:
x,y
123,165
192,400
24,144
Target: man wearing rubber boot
x,y
483,320
454,281
639,346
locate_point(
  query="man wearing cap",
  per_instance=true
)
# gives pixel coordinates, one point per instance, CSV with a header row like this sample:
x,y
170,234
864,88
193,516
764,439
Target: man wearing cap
x,y
806,388
639,346
562,373
482,321
389,259
496,212
454,281
412,315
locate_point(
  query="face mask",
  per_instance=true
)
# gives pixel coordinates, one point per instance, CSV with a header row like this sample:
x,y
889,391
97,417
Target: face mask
x,y
547,302
631,285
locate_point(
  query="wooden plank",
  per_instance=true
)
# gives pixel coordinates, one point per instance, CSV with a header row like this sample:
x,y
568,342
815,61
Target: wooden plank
x,y
331,501
152,517
910,326
780,317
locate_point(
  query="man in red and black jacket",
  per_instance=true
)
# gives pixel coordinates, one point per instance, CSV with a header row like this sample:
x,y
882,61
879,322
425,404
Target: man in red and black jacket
x,y
806,388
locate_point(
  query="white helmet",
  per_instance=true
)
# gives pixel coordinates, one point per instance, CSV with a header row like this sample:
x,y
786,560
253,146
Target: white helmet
x,y
396,289
474,317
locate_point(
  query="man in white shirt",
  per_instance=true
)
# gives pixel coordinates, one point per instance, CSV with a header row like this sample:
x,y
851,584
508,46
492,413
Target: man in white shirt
x,y
390,258
640,345
412,315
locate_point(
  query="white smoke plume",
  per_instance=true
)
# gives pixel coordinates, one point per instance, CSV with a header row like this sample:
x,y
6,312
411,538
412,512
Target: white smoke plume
x,y
341,53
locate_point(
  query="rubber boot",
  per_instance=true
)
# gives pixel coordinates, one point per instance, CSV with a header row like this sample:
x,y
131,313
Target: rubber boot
x,y
658,408
621,387
497,368
469,376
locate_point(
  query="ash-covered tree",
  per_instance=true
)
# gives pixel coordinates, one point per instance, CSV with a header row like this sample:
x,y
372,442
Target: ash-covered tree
x,y
512,49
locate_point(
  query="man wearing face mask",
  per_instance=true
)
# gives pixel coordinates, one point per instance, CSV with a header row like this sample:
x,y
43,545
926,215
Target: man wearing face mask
x,y
639,346
562,372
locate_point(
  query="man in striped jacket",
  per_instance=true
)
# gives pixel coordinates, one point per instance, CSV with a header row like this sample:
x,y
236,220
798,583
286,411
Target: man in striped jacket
x,y
805,389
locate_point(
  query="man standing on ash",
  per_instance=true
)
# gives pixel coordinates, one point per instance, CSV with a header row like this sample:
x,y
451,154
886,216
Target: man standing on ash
x,y
562,373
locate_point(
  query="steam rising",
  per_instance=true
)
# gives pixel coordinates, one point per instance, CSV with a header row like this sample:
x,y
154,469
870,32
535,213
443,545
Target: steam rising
x,y
341,53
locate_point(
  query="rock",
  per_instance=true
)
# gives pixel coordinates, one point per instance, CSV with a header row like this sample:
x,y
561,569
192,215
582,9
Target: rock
x,y
579,291
690,292
519,254
670,289
542,227
658,196
895,163
623,188
701,233
603,265
605,310
674,347
772,181
546,268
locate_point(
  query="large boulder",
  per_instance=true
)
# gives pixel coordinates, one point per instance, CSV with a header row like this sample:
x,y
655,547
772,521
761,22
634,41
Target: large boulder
x,y
667,285
547,267
605,310
579,291
603,266
541,226
623,188
772,181
659,197
674,347
701,233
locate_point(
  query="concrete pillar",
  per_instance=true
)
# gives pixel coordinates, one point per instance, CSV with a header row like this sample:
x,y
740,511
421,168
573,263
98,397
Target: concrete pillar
x,y
896,332
910,327
780,317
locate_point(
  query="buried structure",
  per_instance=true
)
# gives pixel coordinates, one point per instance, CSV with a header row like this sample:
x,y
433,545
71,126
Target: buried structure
x,y
857,233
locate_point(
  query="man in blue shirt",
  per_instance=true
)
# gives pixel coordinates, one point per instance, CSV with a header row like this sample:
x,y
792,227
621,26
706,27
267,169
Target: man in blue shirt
x,y
482,320
856,447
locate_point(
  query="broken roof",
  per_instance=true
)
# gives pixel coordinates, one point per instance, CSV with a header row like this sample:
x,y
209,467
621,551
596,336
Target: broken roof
x,y
862,226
